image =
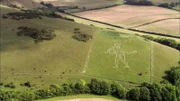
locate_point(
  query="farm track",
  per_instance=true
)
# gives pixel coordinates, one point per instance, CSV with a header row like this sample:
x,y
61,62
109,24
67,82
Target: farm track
x,y
151,61
88,56
120,27
148,23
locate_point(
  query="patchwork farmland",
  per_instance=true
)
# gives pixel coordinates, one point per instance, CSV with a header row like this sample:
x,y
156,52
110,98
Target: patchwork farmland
x,y
124,15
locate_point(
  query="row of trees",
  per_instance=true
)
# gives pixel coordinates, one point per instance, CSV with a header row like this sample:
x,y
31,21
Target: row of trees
x,y
169,5
164,41
138,2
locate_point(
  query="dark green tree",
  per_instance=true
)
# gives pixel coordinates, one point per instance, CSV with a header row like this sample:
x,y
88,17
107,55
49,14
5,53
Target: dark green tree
x,y
133,94
144,94
99,87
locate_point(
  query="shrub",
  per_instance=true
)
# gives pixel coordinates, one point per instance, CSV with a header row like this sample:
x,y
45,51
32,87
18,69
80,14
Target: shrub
x,y
168,42
4,16
118,91
10,85
144,94
138,2
26,96
38,35
165,5
99,87
133,94
82,37
1,83
43,94
174,75
27,84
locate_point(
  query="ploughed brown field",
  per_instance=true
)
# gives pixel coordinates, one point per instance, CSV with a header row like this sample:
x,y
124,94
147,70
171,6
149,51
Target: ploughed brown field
x,y
130,16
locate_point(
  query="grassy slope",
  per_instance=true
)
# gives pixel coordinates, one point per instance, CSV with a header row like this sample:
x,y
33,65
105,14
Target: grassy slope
x,y
139,63
163,59
177,7
23,3
19,55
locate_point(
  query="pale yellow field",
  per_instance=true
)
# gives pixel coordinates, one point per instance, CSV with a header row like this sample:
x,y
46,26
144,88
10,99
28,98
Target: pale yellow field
x,y
129,16
168,27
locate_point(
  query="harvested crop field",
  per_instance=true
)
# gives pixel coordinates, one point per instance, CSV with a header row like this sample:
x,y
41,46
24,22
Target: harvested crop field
x,y
129,16
167,27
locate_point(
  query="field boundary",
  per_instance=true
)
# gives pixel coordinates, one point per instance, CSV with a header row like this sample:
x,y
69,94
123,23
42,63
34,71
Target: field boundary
x,y
151,61
148,23
97,8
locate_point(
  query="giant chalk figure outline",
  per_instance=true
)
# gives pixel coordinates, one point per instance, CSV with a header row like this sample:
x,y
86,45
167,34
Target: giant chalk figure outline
x,y
120,54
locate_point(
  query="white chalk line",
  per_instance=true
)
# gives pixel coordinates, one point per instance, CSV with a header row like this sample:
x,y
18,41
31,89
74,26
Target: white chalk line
x,y
119,53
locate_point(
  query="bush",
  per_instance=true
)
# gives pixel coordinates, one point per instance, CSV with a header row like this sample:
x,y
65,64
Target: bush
x,y
165,5
138,2
144,94
164,41
174,75
26,96
1,83
27,84
99,87
43,94
38,35
133,94
118,91
10,85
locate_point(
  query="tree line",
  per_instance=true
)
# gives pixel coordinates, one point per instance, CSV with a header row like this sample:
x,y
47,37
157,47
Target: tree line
x,y
138,2
168,42
163,91
169,5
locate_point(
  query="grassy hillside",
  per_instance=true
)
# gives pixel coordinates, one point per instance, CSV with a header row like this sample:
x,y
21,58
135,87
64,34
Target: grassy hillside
x,y
138,61
64,59
22,3
164,58
56,61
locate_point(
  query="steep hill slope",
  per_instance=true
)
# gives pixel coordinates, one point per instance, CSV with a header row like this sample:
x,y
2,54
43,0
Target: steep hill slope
x,y
65,59
22,3
56,61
